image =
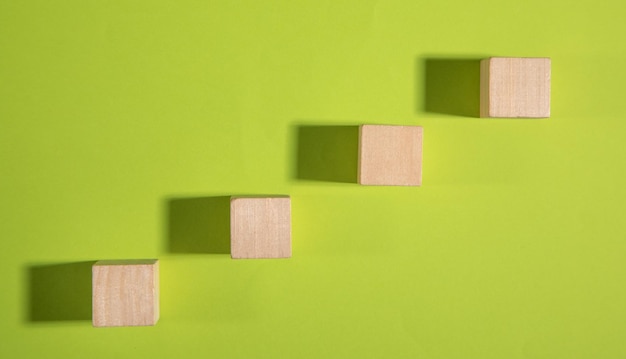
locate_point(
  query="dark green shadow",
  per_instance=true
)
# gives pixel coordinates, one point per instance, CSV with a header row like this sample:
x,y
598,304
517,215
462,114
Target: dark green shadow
x,y
451,86
59,292
327,153
198,225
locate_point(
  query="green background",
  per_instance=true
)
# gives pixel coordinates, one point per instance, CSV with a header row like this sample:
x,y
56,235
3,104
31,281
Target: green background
x,y
124,126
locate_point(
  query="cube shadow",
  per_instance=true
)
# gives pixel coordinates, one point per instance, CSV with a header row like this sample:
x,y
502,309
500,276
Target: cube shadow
x,y
198,225
327,153
59,292
450,86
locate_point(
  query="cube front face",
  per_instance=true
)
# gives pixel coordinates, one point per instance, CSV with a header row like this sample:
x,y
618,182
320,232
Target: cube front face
x,y
260,227
390,155
125,293
515,87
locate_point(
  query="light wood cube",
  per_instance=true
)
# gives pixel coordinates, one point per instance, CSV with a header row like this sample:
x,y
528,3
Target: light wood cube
x,y
515,87
390,155
260,227
125,293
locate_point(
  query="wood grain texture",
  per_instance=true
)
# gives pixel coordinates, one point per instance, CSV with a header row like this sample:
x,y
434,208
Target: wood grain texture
x,y
390,155
515,87
125,293
260,227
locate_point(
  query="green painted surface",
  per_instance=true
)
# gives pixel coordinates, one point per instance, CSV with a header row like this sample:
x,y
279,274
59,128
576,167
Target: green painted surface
x,y
125,126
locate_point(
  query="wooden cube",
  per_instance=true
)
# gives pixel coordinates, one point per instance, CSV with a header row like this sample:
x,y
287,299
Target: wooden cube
x,y
125,293
515,87
260,227
390,155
